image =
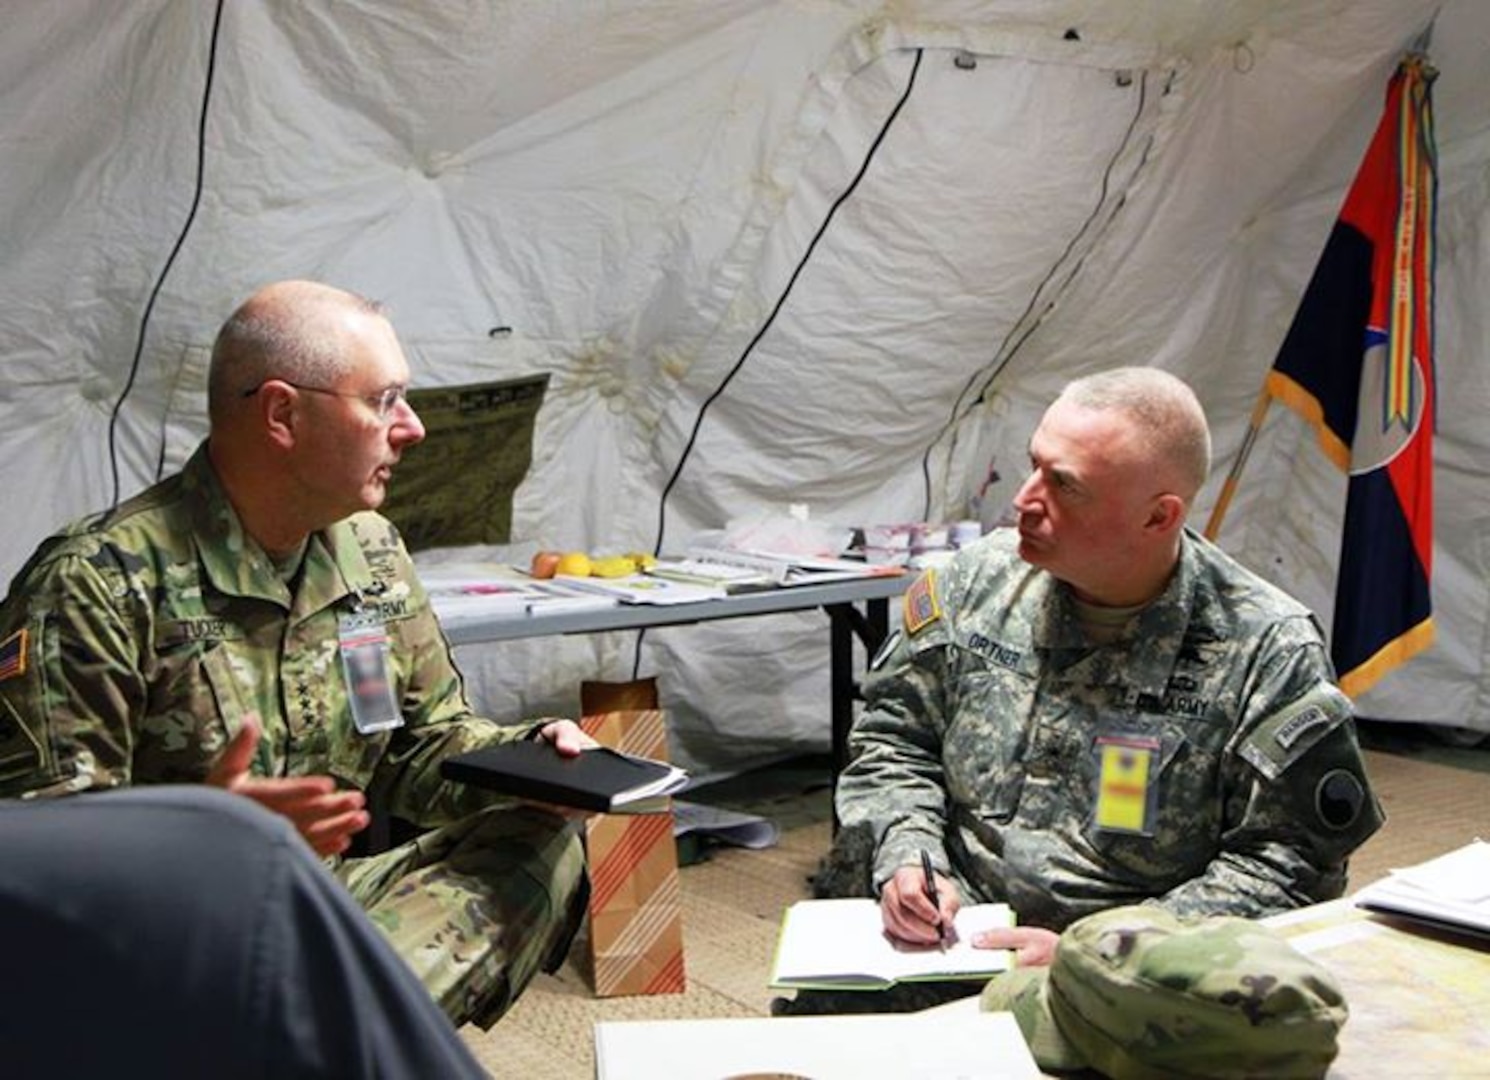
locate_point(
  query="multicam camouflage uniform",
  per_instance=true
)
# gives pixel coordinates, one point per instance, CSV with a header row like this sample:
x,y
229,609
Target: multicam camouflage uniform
x,y
988,716
133,645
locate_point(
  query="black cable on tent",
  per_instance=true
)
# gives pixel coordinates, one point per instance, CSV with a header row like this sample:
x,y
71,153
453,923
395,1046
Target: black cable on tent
x,y
196,199
770,319
780,302
1019,332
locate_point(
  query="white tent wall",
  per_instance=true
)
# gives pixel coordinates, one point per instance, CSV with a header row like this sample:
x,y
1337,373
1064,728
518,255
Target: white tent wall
x,y
661,203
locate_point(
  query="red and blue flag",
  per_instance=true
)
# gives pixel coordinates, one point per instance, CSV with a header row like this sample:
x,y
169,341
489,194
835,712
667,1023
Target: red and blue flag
x,y
1358,364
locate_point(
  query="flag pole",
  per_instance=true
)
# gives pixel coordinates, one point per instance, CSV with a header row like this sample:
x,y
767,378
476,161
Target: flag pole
x,y
1228,489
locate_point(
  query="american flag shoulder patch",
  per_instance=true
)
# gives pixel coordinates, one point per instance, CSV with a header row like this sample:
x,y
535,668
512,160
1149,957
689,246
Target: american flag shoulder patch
x,y
13,655
921,608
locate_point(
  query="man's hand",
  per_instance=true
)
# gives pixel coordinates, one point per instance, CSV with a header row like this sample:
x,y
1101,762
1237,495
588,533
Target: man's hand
x,y
567,737
325,817
1033,946
908,913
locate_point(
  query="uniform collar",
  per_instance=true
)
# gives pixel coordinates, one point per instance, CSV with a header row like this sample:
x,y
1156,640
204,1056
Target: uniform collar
x,y
1153,646
1163,625
235,564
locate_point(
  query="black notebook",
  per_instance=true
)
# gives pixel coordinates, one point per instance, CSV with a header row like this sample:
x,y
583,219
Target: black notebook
x,y
598,779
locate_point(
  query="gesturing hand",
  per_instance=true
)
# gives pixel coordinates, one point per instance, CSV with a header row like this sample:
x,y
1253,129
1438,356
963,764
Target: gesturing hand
x,y
325,817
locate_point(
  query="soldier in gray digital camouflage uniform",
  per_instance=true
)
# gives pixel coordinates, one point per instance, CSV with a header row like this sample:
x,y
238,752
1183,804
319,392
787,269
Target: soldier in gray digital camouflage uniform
x,y
252,623
1099,708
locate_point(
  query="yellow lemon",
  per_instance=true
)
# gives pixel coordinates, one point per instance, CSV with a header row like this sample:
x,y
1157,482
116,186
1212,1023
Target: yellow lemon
x,y
573,563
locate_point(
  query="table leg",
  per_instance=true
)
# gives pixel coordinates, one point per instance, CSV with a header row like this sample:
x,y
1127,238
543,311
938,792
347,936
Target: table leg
x,y
845,623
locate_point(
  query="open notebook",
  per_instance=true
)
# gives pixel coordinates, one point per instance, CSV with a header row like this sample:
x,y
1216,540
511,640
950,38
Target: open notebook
x,y
841,945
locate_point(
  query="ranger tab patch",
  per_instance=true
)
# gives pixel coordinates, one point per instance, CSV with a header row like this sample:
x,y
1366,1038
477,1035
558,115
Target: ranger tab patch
x,y
13,655
921,608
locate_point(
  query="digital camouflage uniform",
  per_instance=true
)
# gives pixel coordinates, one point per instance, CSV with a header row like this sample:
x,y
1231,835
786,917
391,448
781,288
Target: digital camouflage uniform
x,y
133,645
988,717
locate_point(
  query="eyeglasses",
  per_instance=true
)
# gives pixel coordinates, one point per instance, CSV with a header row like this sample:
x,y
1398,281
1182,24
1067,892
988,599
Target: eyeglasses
x,y
383,402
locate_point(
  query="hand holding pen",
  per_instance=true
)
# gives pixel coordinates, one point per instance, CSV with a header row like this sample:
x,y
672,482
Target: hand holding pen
x,y
929,874
904,900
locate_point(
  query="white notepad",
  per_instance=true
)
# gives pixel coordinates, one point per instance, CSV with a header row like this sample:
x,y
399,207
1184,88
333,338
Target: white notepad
x,y
947,1043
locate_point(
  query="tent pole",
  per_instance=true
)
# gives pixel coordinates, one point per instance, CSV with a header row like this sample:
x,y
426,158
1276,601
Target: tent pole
x,y
1228,489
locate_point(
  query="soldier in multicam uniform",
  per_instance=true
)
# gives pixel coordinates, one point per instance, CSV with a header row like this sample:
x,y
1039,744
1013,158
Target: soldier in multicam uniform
x,y
1101,708
251,623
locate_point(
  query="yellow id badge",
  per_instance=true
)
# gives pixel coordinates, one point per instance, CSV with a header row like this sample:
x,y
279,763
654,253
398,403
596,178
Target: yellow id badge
x,y
1127,793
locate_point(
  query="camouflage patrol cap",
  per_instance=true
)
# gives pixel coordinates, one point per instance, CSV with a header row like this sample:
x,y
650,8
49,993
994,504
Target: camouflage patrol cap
x,y
1139,994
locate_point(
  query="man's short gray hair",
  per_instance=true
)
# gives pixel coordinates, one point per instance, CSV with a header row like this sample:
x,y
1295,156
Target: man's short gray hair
x,y
288,338
1165,410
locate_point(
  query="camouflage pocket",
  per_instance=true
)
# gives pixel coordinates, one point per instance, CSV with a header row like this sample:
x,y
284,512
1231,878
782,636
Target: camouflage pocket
x,y
223,698
987,748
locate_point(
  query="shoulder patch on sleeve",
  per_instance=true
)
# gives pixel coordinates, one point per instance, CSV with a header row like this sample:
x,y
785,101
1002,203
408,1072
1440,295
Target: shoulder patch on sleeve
x,y
1299,725
921,607
1282,739
1339,797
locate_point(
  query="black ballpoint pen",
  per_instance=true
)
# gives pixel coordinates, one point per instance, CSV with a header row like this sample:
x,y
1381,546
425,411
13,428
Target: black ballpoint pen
x,y
930,875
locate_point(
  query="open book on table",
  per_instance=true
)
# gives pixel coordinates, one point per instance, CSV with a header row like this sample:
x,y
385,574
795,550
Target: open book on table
x,y
600,779
841,945
1451,891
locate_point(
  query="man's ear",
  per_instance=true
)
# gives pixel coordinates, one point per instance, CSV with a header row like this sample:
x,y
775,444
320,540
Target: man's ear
x,y
1166,514
277,411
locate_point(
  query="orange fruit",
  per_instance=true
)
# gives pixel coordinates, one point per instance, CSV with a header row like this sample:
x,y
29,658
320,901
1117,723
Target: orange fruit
x,y
545,564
